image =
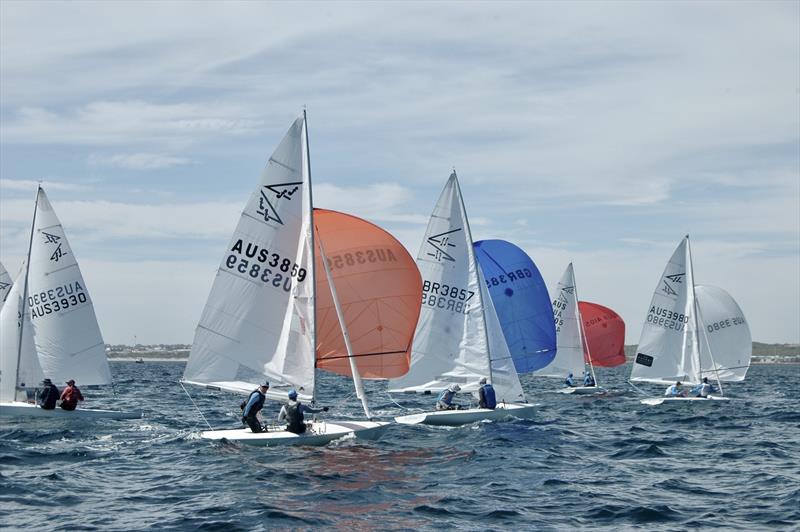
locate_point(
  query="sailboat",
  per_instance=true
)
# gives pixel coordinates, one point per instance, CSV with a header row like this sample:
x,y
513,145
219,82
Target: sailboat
x,y
573,353
458,339
691,332
262,318
49,325
5,284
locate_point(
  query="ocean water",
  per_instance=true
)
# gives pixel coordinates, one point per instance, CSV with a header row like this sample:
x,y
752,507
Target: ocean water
x,y
583,462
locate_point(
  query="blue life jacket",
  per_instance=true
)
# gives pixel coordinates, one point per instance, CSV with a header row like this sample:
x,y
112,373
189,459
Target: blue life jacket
x,y
257,405
489,397
446,397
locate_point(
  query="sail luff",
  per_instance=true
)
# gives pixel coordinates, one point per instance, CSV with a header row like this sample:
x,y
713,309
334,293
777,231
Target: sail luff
x,y
306,155
25,284
474,265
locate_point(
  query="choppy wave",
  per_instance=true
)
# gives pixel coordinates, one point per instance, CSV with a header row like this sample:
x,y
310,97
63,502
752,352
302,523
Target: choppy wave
x,y
584,462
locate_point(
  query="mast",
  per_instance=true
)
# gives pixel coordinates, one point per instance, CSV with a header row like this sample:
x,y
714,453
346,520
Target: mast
x,y
471,253
307,162
340,315
25,289
581,330
696,312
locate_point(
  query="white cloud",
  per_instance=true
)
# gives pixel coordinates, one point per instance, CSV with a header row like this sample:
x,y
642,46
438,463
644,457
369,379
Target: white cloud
x,y
138,161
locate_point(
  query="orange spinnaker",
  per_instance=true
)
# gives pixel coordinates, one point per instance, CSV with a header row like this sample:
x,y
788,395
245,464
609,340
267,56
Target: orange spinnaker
x,y
379,288
605,334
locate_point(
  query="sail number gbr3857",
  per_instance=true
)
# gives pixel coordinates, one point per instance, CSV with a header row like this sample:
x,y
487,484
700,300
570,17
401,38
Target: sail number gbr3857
x,y
259,264
445,297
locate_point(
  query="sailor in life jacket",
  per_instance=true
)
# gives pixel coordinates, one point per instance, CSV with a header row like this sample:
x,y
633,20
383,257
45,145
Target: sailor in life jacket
x,y
704,389
569,381
486,396
445,399
676,390
70,396
588,380
253,405
292,413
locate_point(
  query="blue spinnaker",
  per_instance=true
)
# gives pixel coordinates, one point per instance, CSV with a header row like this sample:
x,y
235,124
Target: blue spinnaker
x,y
521,301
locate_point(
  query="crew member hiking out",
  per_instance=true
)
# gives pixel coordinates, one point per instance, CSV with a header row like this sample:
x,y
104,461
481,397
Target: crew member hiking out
x,y
253,406
70,396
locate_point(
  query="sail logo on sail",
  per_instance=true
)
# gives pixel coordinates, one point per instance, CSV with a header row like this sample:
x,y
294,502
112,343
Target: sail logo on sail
x,y
673,279
3,286
440,243
58,253
266,208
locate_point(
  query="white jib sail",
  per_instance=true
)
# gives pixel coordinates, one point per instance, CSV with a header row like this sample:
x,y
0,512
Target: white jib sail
x,y
725,332
5,284
19,365
569,340
258,321
668,349
65,329
451,344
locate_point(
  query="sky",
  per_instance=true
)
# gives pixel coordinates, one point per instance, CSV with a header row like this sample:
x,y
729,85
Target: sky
x,y
593,132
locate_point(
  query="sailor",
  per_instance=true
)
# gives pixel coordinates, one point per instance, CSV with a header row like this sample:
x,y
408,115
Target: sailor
x,y
704,389
253,406
445,399
292,413
569,381
48,396
70,396
588,379
486,395
676,390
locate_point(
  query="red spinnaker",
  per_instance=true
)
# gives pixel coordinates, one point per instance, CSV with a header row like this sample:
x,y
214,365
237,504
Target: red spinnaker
x,y
605,334
378,285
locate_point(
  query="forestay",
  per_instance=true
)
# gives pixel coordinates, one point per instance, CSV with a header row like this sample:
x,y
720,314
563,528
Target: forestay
x,y
569,354
727,334
378,286
458,339
259,318
521,301
669,349
66,333
19,365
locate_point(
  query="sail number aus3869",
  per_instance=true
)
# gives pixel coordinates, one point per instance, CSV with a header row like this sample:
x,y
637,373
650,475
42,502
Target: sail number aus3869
x,y
259,264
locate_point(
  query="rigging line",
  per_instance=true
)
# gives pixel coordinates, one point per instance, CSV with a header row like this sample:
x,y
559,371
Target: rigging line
x,y
356,355
195,405
637,388
389,396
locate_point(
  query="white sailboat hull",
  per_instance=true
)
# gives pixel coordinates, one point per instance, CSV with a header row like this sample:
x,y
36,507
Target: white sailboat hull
x,y
26,410
582,390
454,418
655,401
320,433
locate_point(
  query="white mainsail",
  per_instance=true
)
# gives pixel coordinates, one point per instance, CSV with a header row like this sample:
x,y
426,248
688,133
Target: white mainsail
x,y
669,347
65,329
258,321
569,338
5,284
19,365
724,333
458,338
